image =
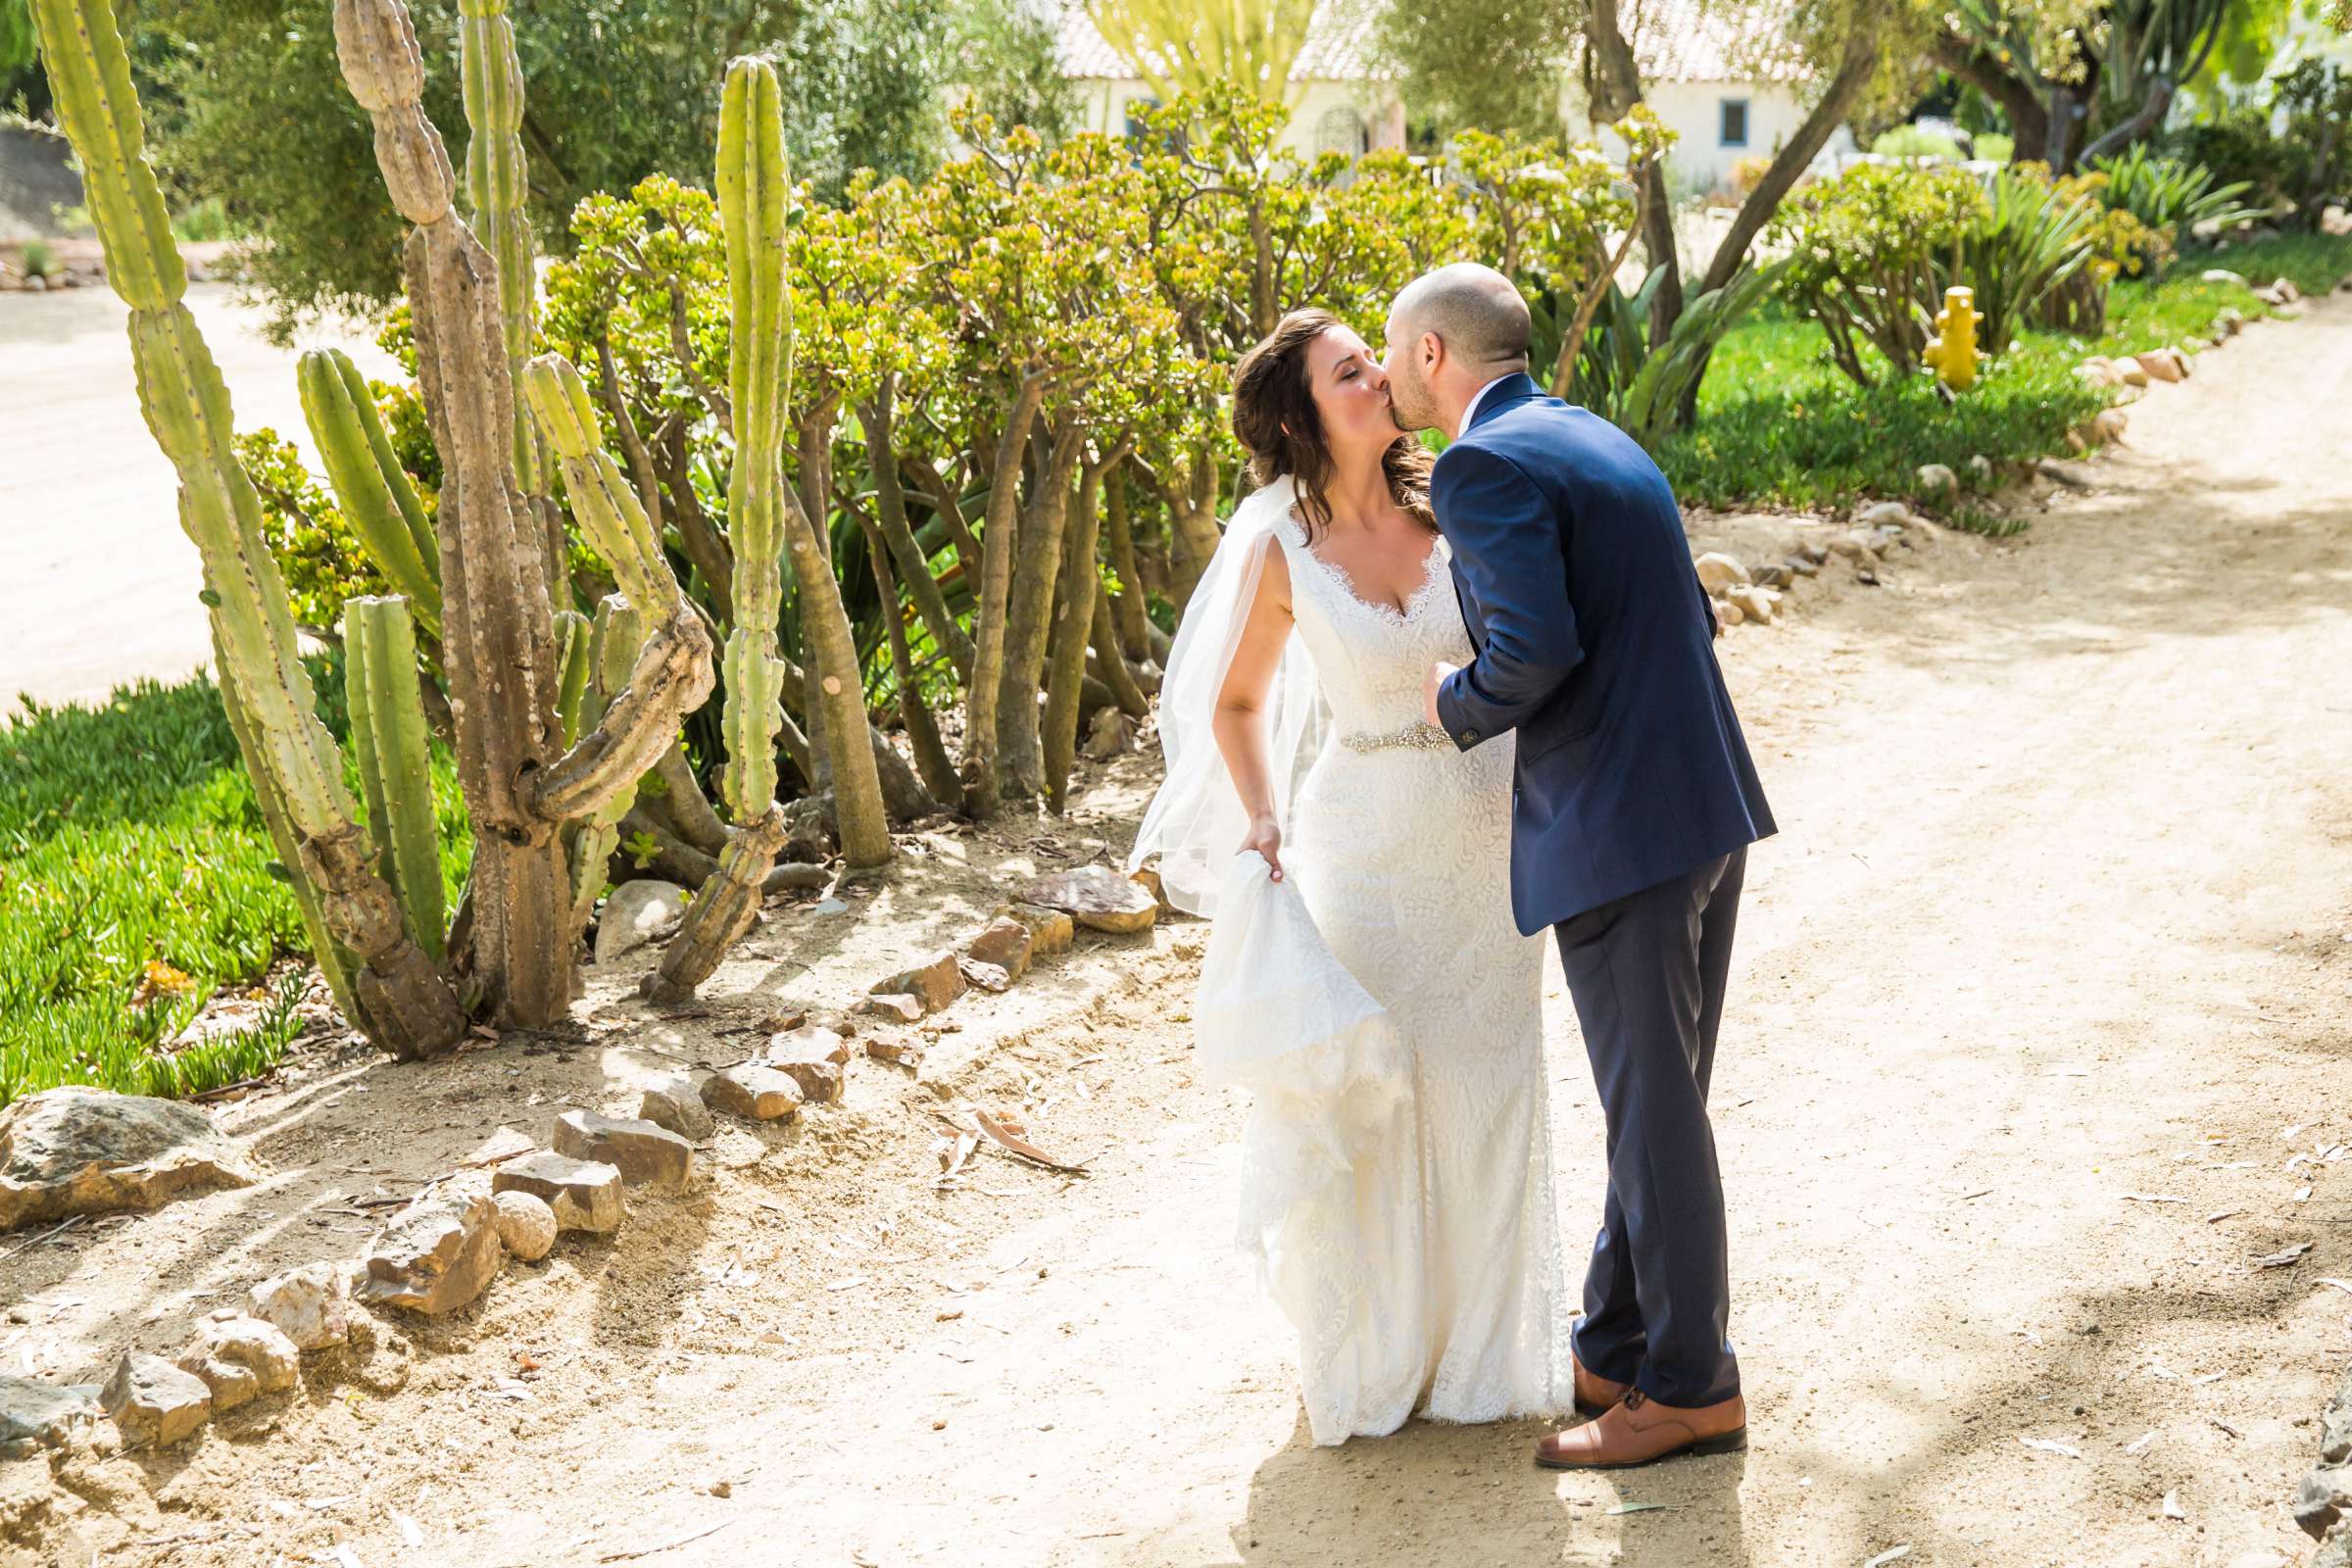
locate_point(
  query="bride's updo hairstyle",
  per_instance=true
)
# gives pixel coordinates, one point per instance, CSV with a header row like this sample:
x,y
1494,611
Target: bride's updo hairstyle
x,y
1274,414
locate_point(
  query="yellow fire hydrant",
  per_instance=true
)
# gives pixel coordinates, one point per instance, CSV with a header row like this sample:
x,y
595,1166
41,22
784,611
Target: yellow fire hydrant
x,y
1952,353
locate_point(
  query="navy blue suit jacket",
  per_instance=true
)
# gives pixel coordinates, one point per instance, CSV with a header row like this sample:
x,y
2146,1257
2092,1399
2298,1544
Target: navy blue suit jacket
x,y
1596,644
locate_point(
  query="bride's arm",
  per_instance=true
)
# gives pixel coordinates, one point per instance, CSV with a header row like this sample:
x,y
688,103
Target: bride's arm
x,y
1240,720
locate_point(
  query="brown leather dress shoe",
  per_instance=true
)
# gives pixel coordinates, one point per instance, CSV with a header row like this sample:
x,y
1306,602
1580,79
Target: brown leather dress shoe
x,y
1594,1393
1637,1430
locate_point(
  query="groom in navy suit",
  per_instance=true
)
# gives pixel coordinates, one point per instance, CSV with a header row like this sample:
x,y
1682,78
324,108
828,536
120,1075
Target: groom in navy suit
x,y
1631,812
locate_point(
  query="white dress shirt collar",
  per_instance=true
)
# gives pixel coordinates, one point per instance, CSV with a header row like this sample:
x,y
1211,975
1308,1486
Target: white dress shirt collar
x,y
1480,395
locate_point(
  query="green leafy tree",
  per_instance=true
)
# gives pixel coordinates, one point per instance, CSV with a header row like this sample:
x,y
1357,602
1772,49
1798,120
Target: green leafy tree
x,y
619,89
1491,65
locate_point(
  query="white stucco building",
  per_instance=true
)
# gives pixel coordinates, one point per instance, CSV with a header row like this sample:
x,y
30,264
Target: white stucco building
x,y
1709,75
1701,68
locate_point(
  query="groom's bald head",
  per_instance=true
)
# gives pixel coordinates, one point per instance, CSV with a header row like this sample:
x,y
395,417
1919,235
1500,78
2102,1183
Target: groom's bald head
x,y
1449,333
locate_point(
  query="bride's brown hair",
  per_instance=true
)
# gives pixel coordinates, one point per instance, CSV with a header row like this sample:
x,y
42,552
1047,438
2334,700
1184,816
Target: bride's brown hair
x,y
1275,417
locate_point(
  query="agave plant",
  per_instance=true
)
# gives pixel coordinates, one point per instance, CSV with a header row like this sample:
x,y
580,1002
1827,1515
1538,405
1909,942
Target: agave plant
x,y
2033,235
2172,197
1642,388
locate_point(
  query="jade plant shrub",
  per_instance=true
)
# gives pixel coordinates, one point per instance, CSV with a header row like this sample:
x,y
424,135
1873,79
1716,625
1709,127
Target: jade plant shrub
x,y
1865,254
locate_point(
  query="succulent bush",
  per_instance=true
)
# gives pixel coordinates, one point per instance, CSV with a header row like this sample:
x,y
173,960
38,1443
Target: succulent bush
x,y
1865,253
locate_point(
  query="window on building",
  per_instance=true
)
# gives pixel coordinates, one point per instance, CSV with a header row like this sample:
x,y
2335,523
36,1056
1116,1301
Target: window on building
x,y
1734,122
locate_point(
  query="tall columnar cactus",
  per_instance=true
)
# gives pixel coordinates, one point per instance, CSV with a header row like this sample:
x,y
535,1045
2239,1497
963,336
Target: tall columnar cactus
x,y
398,992
515,679
498,628
754,189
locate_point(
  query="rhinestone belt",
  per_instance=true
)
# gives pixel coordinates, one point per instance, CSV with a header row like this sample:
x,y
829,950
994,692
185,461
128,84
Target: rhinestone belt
x,y
1418,736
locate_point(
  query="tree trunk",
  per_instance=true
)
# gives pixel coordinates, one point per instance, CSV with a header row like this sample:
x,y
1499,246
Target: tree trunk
x,y
1073,627
1616,89
890,507
1111,663
982,790
833,648
2147,118
1035,575
1127,606
683,802
2019,103
931,759
1192,527
710,554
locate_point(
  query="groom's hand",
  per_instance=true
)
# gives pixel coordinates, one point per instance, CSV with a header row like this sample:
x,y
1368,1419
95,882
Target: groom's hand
x,y
1428,692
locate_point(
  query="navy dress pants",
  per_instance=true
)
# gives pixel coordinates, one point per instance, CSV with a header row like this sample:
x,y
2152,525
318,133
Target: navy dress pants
x,y
1647,973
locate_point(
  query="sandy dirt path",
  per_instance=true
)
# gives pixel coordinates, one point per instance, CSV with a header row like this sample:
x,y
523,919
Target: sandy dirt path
x,y
2060,920
2032,1056
97,583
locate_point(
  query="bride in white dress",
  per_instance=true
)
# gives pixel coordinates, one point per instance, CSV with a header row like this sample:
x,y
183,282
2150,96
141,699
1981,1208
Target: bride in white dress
x,y
1365,978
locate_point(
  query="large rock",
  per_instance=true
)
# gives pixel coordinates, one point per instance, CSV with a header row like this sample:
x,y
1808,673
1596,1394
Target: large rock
x,y
638,914
154,1402
1757,603
1097,897
2322,1499
814,1059
40,1415
1052,932
898,1008
2221,274
935,982
526,1226
239,1357
675,1101
646,1155
1936,478
86,1152
585,1195
1005,943
309,1306
2164,365
2108,424
1718,573
754,1092
436,1255
1886,514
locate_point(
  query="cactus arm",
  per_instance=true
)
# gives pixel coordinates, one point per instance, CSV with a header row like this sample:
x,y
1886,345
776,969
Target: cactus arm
x,y
387,725
618,629
575,705
672,672
397,482
367,492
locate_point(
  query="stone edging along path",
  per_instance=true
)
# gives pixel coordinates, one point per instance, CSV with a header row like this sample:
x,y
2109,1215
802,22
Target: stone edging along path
x,y
445,1245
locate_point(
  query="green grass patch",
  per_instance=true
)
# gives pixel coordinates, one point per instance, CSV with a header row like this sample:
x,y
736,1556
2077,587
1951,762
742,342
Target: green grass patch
x,y
137,881
1778,426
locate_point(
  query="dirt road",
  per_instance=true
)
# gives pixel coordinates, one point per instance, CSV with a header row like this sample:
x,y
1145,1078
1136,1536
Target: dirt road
x,y
97,583
2037,1030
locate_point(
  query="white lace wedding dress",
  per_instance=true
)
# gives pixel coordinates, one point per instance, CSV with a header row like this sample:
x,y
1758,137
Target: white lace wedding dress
x,y
1409,1237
